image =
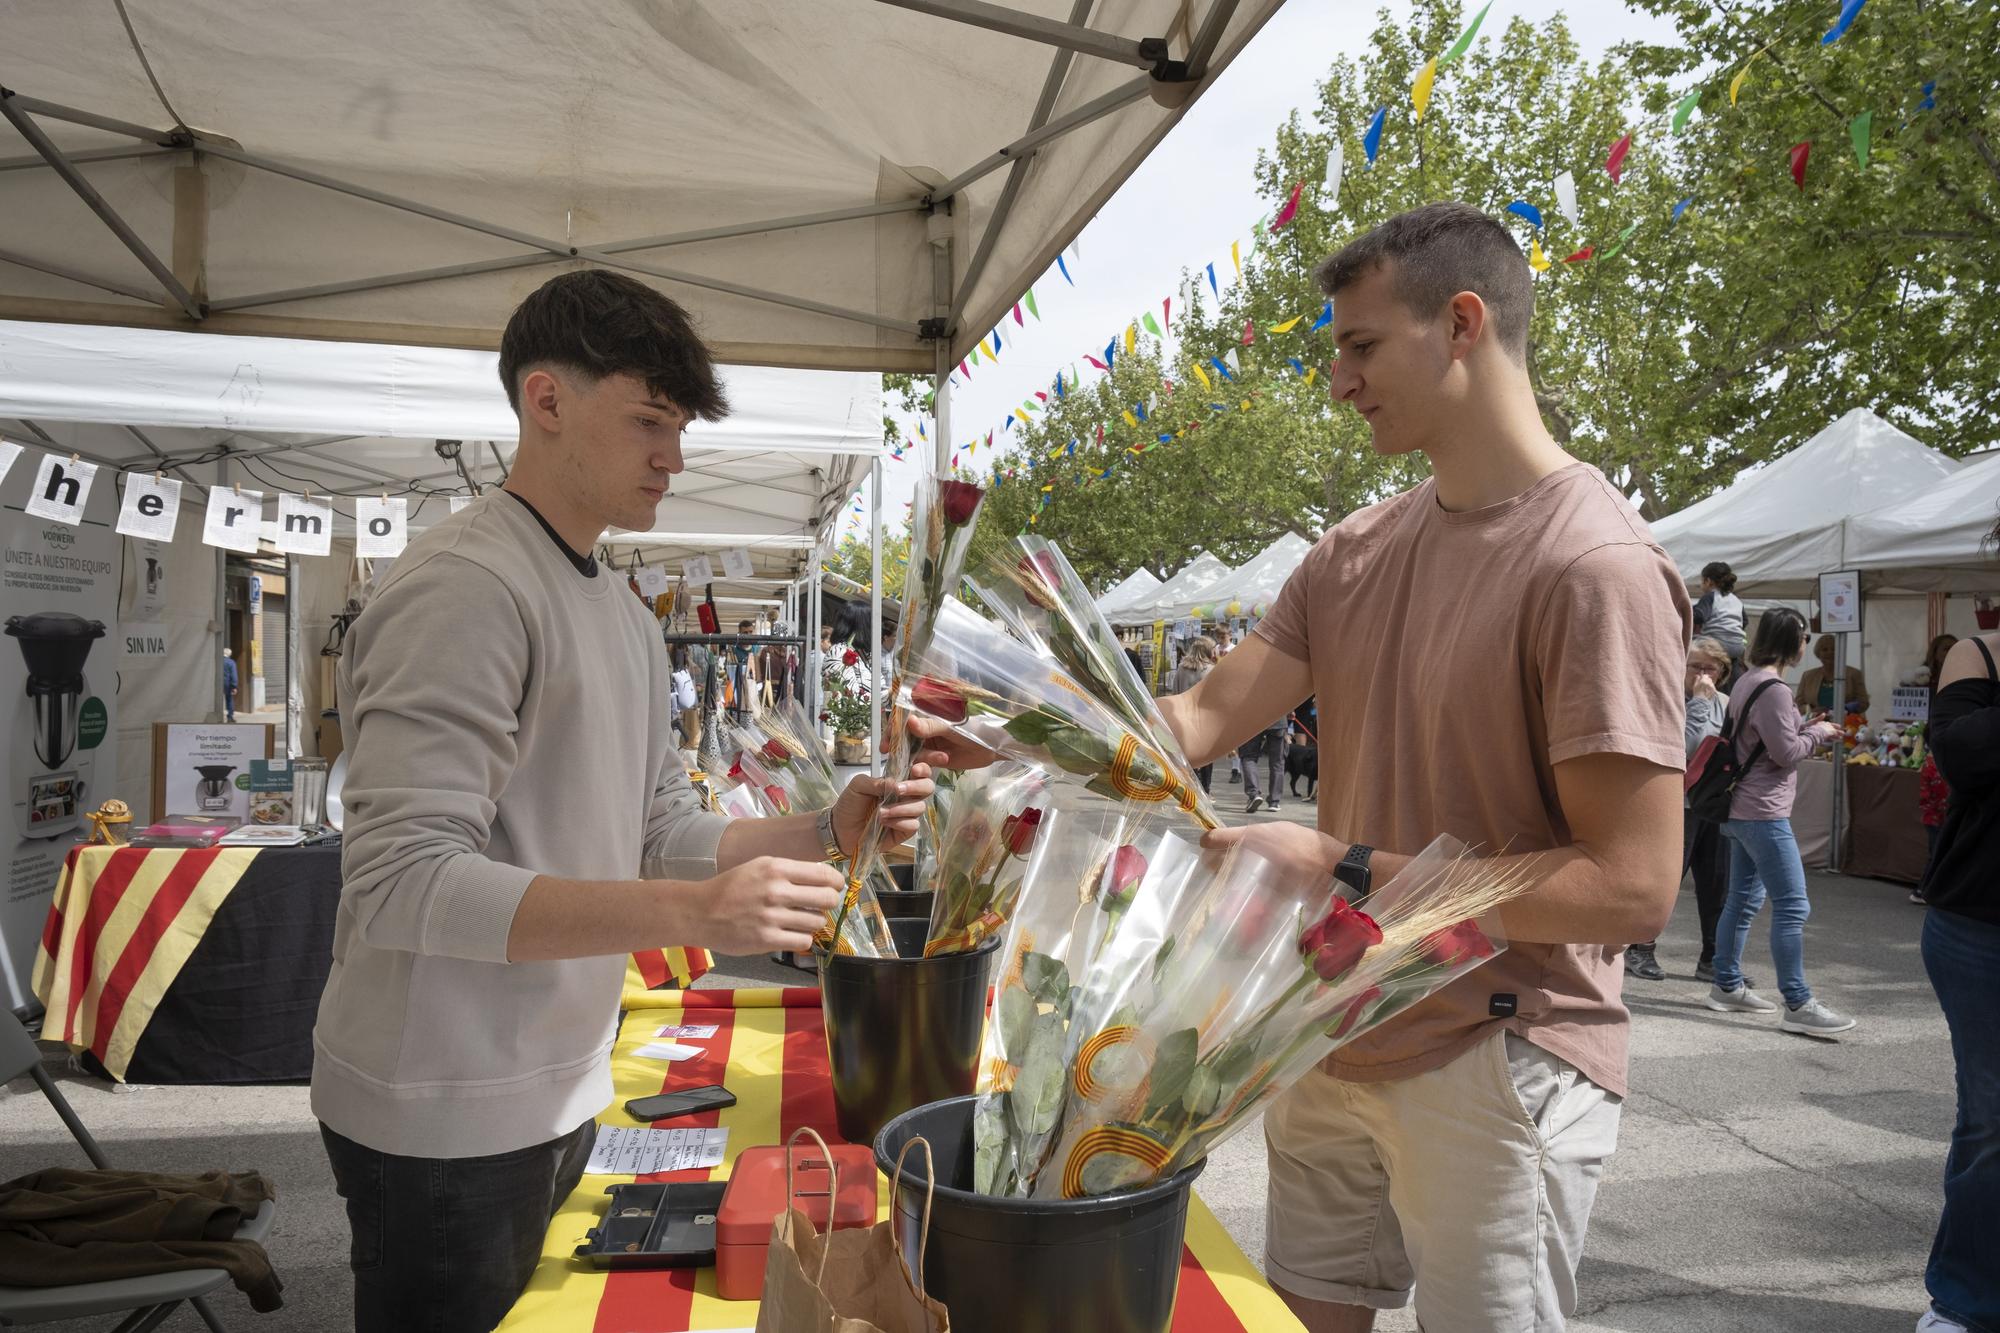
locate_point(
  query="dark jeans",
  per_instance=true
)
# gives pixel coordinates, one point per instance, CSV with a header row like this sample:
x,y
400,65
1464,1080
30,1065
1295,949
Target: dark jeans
x,y
447,1245
1962,957
1704,852
1270,746
229,705
1205,772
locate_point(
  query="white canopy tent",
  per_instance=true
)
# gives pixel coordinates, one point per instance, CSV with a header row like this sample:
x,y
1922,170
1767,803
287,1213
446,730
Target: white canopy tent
x,y
1257,581
1783,525
1139,584
1934,541
848,184
1185,589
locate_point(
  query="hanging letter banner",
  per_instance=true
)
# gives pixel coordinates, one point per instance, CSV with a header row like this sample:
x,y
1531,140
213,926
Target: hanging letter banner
x,y
152,507
234,518
305,525
381,526
62,488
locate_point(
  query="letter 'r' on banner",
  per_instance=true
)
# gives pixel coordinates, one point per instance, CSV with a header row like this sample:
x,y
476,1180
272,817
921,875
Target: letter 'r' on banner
x,y
305,525
62,489
152,507
381,526
235,519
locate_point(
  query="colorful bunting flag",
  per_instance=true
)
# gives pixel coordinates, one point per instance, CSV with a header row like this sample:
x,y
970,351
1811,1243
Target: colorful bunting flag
x,y
1249,332
1615,164
1336,166
1290,210
1220,368
1371,142
1858,130
1686,109
1310,373
1202,375
1325,318
1736,84
1565,187
1536,259
1153,326
1236,256
1521,208
1111,354
1166,305
1030,298
1298,366
1420,91
974,356
1213,290
1018,321
1130,420
963,371
1131,338
1682,207
1843,23
1623,237
1065,271
1581,255
1235,363
1800,153
1930,97
1288,325
1464,42
1095,362
996,344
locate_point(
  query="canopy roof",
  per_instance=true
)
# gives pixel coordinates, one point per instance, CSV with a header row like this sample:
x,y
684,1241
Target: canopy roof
x,y
1187,588
1781,526
1134,587
273,414
1257,581
1934,541
815,181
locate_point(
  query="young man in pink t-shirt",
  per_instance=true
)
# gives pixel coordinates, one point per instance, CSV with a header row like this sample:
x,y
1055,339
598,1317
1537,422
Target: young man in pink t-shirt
x,y
1498,656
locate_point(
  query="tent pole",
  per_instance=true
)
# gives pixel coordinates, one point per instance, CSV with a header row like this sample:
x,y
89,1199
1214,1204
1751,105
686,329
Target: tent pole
x,y
1071,36
1839,784
294,694
877,669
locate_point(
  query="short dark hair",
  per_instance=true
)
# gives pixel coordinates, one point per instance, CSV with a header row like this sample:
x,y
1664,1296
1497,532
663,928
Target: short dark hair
x,y
1441,250
594,322
1721,575
1781,637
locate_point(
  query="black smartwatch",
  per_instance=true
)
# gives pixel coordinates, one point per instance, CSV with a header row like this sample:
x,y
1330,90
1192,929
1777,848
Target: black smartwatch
x,y
1352,879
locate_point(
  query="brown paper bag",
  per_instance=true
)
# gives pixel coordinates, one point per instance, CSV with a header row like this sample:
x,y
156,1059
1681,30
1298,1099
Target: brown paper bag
x,y
853,1280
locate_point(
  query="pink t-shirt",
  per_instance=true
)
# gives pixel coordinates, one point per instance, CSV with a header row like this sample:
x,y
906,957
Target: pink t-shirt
x,y
1458,658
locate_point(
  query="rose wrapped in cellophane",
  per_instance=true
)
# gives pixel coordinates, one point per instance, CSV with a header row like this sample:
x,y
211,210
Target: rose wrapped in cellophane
x,y
1033,590
942,523
1003,694
786,744
1223,986
996,822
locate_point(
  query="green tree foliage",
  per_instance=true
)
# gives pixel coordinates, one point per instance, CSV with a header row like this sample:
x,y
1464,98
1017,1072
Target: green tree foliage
x,y
851,559
1679,353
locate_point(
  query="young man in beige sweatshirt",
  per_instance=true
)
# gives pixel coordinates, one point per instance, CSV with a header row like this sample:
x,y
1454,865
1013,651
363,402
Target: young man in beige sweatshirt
x,y
519,821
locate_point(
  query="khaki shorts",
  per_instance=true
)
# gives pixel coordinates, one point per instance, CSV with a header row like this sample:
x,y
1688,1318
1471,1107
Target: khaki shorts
x,y
1471,1184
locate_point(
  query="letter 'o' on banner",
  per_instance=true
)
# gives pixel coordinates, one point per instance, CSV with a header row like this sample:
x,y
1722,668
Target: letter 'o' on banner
x,y
152,507
381,527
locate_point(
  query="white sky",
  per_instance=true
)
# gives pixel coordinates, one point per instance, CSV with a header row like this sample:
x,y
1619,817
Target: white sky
x,y
1195,195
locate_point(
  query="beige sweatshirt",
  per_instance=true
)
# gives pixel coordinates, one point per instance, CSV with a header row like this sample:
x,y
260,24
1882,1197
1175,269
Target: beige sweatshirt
x,y
505,718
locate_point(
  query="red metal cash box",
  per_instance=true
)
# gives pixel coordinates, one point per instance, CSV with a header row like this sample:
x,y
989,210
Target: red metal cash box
x,y
757,1195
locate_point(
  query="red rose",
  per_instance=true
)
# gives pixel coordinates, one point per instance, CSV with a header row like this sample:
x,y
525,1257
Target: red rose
x,y
1333,946
1018,831
826,717
849,658
960,501
1121,878
736,770
1039,577
938,699
1353,1013
1457,945
777,752
776,796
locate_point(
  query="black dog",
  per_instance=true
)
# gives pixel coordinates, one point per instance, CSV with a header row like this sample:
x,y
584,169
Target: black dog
x,y
1302,761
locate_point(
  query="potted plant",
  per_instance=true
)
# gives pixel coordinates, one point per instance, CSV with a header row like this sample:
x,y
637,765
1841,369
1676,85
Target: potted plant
x,y
844,689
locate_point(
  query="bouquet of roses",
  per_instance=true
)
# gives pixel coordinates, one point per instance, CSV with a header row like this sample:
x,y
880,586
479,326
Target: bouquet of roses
x,y
1033,590
999,692
995,824
1224,980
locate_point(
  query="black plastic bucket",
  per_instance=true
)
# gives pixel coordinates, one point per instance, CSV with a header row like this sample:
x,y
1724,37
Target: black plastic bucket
x,y
901,1032
1110,1264
906,899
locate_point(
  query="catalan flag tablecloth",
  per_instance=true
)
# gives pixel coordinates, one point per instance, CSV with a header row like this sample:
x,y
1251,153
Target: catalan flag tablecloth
x,y
770,1050
220,954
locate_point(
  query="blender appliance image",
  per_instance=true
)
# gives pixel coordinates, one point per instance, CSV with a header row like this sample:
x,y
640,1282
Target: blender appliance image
x,y
50,775
214,793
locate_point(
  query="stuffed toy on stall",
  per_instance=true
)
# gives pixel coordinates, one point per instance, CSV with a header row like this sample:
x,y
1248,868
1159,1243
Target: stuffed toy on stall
x,y
1913,744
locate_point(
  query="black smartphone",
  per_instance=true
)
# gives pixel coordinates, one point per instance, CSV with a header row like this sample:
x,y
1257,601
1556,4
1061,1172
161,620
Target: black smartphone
x,y
686,1102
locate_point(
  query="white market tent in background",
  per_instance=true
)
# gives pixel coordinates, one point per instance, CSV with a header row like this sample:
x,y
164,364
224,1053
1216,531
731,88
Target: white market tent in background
x,y
1188,588
1134,587
1255,584
845,184
1935,541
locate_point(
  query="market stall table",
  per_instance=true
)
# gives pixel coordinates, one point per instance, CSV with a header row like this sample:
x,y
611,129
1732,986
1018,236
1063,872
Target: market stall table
x,y
205,965
769,1049
1886,828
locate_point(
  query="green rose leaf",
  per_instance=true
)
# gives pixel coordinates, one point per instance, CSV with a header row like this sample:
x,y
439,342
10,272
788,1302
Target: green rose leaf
x,y
1204,1093
1017,1018
992,1149
1173,1066
1045,978
1036,1101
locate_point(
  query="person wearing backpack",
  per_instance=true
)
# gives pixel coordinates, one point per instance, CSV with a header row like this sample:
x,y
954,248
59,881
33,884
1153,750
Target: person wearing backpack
x,y
1770,739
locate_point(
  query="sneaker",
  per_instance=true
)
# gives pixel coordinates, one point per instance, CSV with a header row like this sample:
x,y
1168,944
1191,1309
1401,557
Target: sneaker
x,y
1253,805
1936,1321
1705,971
1236,777
1814,1019
1742,1000
1640,962
1273,806
1918,898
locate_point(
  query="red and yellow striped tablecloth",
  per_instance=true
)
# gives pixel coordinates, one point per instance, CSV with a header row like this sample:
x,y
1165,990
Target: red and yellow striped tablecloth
x,y
770,1050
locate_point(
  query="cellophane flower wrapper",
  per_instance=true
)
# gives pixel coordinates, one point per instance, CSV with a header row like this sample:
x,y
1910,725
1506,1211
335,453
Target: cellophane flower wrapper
x,y
1031,587
1003,694
1261,974
994,825
942,523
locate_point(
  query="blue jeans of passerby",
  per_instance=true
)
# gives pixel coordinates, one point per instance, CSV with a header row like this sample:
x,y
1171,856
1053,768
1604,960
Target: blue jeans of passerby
x,y
1962,957
1764,862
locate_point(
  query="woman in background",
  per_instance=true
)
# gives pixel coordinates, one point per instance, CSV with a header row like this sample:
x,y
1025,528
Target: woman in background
x,y
1195,663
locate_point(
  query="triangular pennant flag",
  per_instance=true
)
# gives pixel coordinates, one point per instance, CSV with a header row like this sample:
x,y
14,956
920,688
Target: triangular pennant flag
x,y
1298,366
1623,237
1310,374
922,434
1858,131
1682,207
1291,208
989,439
1565,186
1166,319
973,355
1249,332
1420,91
1371,142
972,449
996,344
1325,318
1236,256
954,463
1213,291
1235,363
1131,338
1220,368
1030,299
1009,424
1018,321
1059,384
1736,84
1095,362
963,371
1140,408
1843,23
1336,167
1153,326
1065,271
1686,109
1202,375
1930,97
1464,42
1288,325
1615,163
1521,208
1130,420
1111,354
1536,259
1581,255
1041,397
1800,153
1100,432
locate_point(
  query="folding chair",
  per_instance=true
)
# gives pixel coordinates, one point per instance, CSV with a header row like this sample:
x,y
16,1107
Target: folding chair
x,y
146,1301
